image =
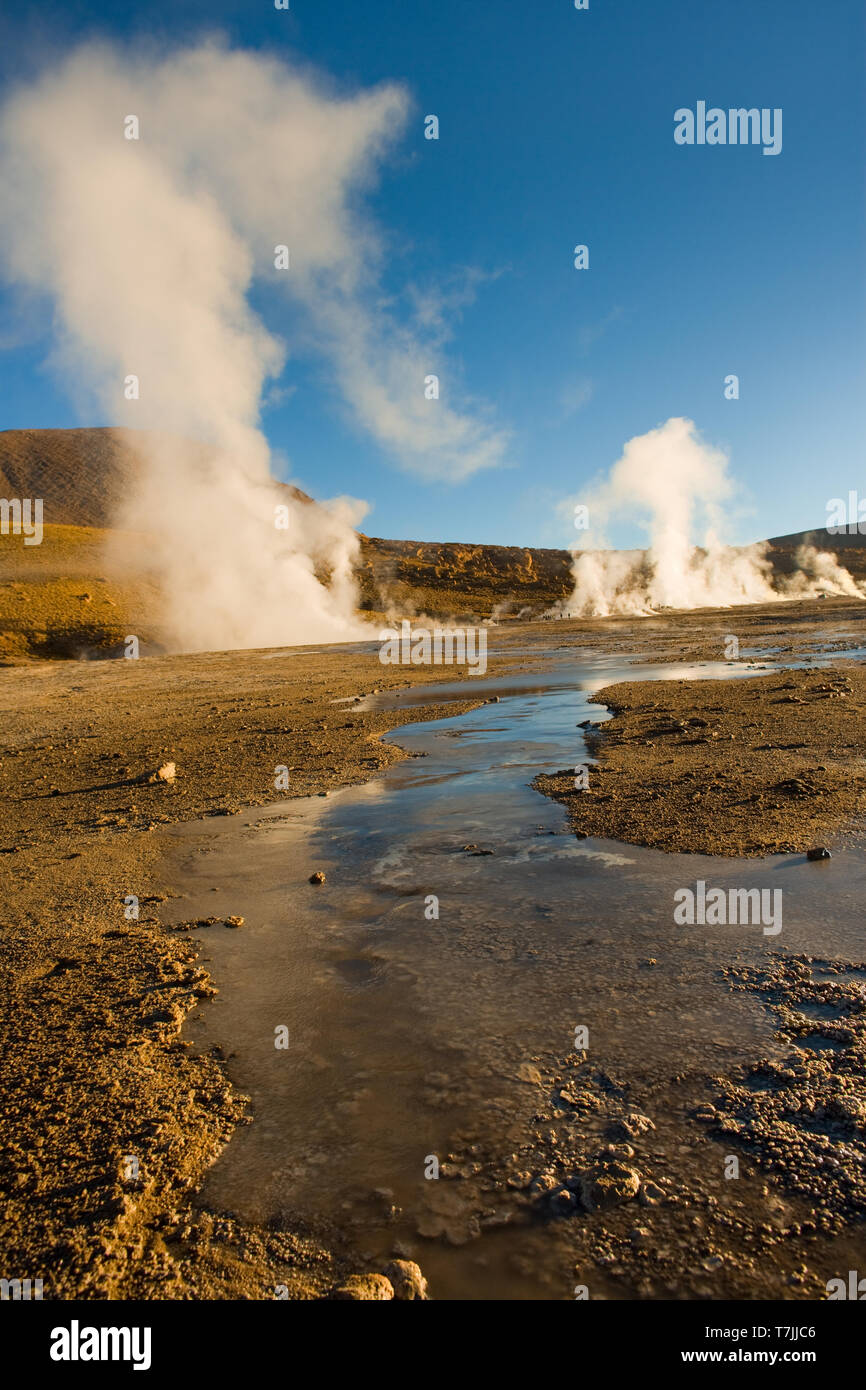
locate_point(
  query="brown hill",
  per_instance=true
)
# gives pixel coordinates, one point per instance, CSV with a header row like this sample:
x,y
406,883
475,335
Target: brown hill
x,y
447,578
850,550
81,474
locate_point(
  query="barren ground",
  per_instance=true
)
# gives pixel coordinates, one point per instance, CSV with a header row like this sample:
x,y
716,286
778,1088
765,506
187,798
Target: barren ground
x,y
94,1062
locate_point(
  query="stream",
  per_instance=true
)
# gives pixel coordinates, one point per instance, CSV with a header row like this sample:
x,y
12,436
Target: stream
x,y
462,935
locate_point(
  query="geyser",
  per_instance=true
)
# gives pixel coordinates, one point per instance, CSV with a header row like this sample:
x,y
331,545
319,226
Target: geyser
x,y
673,485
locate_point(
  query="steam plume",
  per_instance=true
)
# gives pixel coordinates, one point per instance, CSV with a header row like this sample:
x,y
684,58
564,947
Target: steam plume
x,y
675,486
149,249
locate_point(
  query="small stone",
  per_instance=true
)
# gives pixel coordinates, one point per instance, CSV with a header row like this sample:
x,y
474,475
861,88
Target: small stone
x,y
608,1186
367,1288
618,1152
818,853
317,877
234,921
166,773
631,1126
406,1279
544,1183
650,1194
579,1099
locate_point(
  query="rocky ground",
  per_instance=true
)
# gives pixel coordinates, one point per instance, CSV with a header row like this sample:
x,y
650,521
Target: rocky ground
x,y
753,767
734,1186
96,1069
93,1002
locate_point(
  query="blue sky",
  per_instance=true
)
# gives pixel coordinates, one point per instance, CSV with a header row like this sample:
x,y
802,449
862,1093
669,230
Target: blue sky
x,y
557,129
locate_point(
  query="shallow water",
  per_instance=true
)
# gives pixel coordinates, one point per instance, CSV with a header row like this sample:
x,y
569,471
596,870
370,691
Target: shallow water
x,y
411,1033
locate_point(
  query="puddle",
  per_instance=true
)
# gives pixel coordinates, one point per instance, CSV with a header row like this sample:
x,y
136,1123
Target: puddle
x,y
426,986
817,1042
814,1008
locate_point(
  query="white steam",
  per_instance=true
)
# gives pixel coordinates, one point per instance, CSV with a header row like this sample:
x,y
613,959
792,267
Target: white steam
x,y
676,487
149,250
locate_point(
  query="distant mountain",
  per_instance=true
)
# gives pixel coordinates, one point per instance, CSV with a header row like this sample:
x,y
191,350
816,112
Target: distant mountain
x,y
434,577
850,550
81,474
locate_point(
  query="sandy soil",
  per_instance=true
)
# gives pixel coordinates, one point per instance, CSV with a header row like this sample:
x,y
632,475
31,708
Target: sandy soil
x,y
95,1070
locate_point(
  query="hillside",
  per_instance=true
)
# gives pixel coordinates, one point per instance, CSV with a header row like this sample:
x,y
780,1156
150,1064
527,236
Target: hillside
x,y
448,577
81,475
850,550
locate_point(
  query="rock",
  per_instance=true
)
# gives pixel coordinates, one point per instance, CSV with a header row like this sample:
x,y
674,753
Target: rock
x,y
706,1112
631,1126
850,1108
317,877
579,1099
166,773
650,1194
544,1183
618,1152
818,853
609,1185
406,1279
367,1288
234,921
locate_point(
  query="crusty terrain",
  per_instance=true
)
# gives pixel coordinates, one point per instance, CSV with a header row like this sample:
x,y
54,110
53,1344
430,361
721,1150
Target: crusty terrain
x,y
92,1004
745,767
95,1069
